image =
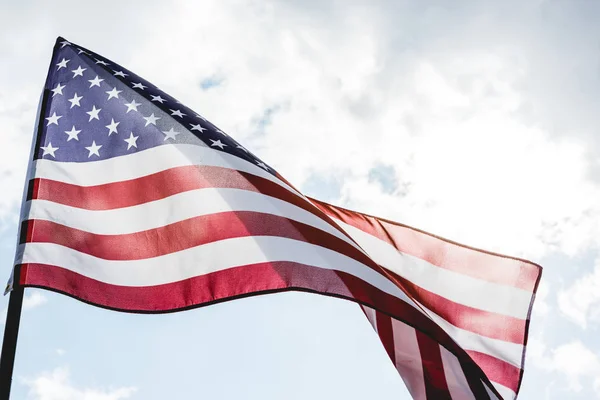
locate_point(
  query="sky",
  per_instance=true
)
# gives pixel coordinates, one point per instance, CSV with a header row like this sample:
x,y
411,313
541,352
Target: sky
x,y
474,120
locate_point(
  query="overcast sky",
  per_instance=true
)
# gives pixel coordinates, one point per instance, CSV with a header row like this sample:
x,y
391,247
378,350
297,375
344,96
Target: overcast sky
x,y
475,120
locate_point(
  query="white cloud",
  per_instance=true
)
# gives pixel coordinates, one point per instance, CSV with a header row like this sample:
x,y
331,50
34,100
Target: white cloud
x,y
541,307
573,360
55,385
580,302
30,301
33,300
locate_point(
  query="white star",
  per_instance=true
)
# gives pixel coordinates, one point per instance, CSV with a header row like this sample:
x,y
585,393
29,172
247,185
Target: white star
x,y
82,51
62,64
170,134
53,119
78,71
95,82
262,165
222,133
75,100
217,143
120,73
157,98
201,117
177,113
49,150
93,149
65,43
73,133
151,120
138,85
101,62
198,127
58,89
112,127
132,106
241,147
93,113
132,141
113,93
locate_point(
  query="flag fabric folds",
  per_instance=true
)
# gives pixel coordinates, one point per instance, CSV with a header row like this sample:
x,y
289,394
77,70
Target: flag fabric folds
x,y
136,203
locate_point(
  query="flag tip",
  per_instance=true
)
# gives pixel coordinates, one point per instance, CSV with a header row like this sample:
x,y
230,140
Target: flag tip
x,y
62,41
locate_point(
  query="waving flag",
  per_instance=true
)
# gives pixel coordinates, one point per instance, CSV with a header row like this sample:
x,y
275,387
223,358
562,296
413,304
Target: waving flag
x,y
136,203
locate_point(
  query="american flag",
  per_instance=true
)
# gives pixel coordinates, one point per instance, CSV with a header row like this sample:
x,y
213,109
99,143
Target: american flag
x,y
136,203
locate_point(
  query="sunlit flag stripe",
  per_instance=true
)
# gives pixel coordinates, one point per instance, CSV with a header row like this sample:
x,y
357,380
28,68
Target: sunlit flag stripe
x,y
443,253
491,333
192,232
471,341
174,209
147,162
500,299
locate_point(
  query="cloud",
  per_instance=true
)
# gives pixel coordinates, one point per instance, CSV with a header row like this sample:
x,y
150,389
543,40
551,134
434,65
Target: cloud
x,y
573,360
33,300
541,307
55,385
580,302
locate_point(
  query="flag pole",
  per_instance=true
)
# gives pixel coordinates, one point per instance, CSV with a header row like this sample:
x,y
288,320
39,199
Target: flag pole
x,y
9,344
15,303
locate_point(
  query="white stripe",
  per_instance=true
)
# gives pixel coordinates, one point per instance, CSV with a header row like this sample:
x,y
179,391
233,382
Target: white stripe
x,y
408,359
371,316
506,351
455,377
506,393
490,393
204,259
459,288
173,209
150,161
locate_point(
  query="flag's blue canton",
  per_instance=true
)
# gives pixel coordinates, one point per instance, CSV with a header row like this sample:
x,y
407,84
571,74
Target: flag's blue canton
x,y
96,109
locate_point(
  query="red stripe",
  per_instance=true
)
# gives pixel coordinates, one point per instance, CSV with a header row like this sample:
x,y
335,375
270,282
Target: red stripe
x,y
164,184
386,334
441,252
436,386
157,186
244,281
189,233
497,370
198,290
485,323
